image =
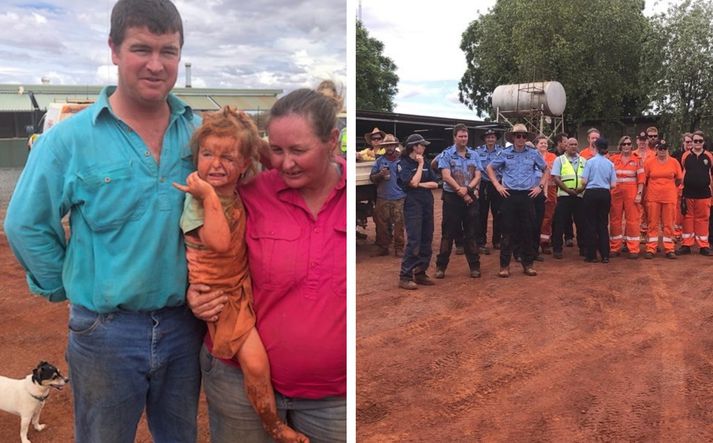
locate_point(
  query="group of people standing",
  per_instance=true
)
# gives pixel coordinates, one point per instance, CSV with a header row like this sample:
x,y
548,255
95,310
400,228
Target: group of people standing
x,y
537,199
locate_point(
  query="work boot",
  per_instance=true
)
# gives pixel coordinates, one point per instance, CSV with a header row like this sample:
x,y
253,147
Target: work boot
x,y
569,242
422,279
529,271
558,255
671,255
407,284
684,250
539,258
381,252
484,251
475,273
504,272
460,250
706,252
649,255
440,273
632,256
546,250
614,254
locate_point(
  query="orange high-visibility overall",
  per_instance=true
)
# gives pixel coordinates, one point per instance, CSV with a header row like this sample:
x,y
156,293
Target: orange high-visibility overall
x,y
695,222
661,195
629,174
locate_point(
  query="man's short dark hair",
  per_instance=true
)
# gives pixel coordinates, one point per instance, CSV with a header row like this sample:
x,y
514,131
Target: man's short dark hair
x,y
561,137
159,16
458,128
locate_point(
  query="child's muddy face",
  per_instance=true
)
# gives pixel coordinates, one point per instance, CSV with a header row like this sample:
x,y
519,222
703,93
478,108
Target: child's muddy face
x,y
220,162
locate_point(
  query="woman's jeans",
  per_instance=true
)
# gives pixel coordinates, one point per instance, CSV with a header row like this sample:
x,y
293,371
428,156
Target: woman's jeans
x,y
233,419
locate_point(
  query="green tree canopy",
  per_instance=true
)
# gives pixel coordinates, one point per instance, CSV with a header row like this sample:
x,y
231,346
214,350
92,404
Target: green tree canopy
x,y
376,79
679,64
593,48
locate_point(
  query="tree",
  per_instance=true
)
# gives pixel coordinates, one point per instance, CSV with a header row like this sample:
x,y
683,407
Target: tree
x,y
594,51
679,62
376,79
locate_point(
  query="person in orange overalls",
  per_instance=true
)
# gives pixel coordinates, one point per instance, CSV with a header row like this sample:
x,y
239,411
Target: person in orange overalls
x,y
696,165
550,196
646,143
663,175
590,151
625,200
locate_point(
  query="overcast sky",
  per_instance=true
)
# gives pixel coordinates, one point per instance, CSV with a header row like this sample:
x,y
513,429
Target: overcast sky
x,y
273,44
424,43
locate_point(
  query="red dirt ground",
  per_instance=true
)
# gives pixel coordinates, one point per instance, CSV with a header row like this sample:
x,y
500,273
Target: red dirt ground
x,y
33,329
582,352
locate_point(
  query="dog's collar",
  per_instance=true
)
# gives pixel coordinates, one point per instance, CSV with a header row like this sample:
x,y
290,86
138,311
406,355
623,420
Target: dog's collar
x,y
38,397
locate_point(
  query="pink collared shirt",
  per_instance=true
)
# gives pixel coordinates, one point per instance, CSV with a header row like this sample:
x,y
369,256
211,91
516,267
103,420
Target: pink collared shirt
x,y
298,270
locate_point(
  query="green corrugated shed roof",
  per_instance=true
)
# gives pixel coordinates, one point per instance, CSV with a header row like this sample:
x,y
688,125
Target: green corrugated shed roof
x,y
43,100
201,99
200,102
245,103
15,102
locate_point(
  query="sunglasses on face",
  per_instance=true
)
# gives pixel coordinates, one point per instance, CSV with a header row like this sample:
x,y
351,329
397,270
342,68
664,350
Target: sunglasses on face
x,y
520,135
698,141
652,135
626,144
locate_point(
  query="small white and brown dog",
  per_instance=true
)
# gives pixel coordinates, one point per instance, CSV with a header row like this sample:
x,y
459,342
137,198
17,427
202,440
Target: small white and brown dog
x,y
26,396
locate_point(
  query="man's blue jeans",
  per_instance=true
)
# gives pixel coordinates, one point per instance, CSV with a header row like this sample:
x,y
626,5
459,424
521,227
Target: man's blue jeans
x,y
233,419
124,362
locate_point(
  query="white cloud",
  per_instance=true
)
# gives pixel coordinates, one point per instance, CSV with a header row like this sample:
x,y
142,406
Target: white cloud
x,y
231,44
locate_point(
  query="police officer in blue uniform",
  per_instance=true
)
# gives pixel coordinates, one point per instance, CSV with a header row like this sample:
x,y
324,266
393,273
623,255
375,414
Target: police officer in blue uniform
x,y
460,168
417,180
519,187
489,199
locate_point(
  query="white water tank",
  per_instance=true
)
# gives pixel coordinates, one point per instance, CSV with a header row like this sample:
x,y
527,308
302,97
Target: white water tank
x,y
521,99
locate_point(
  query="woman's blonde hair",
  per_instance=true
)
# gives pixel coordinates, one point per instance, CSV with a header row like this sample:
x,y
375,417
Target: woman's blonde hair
x,y
229,122
624,137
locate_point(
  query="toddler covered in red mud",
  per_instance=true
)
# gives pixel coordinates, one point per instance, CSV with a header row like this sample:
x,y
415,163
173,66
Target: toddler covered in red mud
x,y
225,150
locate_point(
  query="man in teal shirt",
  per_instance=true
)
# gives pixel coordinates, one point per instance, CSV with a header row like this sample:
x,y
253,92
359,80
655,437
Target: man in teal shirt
x,y
133,344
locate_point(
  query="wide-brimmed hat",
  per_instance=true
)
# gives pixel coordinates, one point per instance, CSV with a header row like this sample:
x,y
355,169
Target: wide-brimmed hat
x,y
487,133
519,128
416,139
389,140
374,131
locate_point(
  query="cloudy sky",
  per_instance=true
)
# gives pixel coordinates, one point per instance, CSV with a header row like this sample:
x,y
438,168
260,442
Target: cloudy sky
x,y
424,43
273,44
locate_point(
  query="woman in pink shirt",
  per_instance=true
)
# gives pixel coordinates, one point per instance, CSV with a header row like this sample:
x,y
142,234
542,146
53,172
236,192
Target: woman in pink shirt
x,y
296,238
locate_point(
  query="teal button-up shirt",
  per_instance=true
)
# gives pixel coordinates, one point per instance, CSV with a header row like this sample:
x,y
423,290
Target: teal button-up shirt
x,y
125,250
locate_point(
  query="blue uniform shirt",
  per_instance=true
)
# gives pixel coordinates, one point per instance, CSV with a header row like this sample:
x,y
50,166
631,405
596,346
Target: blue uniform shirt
x,y
407,168
518,168
388,189
486,157
599,173
126,250
462,169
